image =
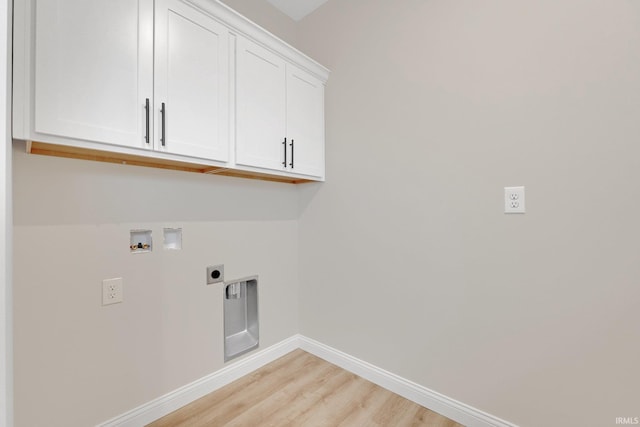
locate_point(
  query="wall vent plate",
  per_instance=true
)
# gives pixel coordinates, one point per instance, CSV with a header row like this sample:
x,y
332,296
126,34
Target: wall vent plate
x,y
215,274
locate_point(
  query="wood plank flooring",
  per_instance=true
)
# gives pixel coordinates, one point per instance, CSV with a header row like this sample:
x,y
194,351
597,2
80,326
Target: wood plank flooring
x,y
300,389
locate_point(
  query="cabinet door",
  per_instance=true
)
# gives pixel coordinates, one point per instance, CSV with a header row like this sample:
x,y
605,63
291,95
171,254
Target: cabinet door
x,y
260,107
93,69
192,81
305,122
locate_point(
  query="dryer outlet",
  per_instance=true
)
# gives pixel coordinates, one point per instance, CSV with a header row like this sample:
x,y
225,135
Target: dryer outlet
x,y
215,274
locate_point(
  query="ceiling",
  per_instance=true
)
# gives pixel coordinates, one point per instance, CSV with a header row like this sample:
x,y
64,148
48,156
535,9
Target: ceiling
x,y
297,9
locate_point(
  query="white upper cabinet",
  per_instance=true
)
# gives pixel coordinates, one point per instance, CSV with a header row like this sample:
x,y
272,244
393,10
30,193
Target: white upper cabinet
x,y
260,107
182,84
280,113
93,69
305,122
191,96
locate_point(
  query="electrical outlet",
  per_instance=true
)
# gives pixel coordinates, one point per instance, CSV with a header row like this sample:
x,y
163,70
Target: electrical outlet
x,y
112,291
215,274
514,200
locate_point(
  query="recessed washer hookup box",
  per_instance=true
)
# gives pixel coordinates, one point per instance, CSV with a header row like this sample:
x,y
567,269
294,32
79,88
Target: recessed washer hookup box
x,y
241,331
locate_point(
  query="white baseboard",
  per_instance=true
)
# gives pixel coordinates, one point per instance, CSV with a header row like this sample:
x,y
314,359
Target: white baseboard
x,y
450,408
176,399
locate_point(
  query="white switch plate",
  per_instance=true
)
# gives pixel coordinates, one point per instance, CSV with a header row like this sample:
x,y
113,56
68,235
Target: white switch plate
x,y
112,291
514,200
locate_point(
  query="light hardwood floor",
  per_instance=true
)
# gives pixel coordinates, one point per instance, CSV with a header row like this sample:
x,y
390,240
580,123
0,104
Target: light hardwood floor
x,y
300,389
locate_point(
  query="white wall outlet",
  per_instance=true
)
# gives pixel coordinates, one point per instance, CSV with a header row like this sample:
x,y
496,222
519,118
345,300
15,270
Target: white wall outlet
x,y
514,200
112,291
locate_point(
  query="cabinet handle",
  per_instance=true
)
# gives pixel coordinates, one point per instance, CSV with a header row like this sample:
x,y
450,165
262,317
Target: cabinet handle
x,y
292,148
284,145
146,109
163,112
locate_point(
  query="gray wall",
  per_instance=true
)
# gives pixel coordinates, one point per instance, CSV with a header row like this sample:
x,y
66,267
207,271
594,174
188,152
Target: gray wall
x,y
80,363
407,260
264,14
6,303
